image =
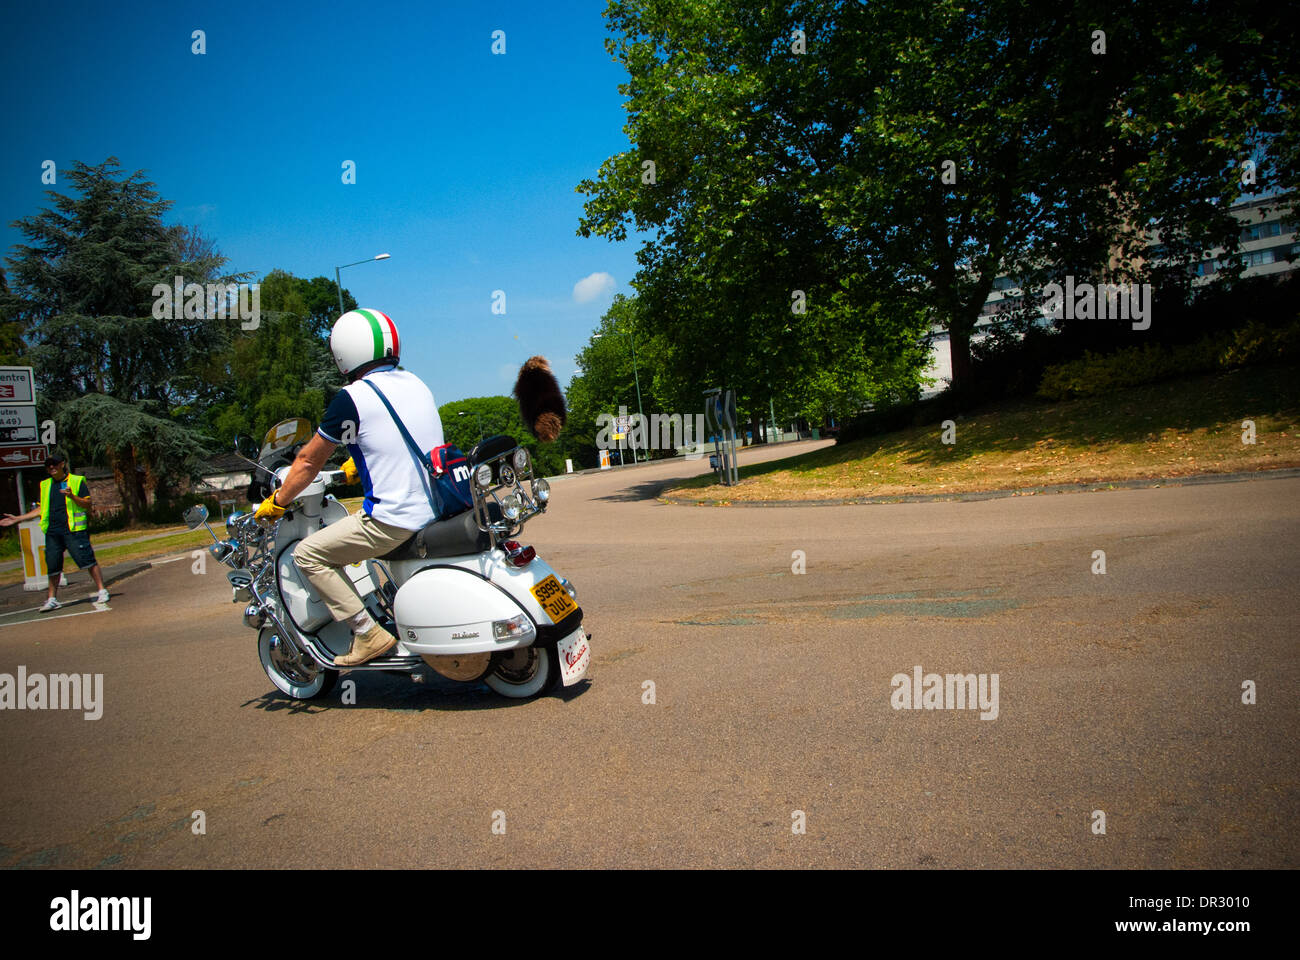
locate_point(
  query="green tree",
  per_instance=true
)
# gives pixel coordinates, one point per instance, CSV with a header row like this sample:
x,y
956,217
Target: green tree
x,y
465,422
13,350
577,441
281,369
320,298
890,160
1060,158
621,350
744,281
112,375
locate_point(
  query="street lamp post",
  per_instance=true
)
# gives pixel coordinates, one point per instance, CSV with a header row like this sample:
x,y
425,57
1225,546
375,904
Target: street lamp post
x,y
636,376
338,284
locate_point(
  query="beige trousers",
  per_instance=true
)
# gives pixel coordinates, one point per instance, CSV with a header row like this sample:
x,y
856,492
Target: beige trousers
x,y
322,555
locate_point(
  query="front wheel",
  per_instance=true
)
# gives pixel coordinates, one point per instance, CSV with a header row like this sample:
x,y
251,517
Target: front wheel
x,y
304,681
524,671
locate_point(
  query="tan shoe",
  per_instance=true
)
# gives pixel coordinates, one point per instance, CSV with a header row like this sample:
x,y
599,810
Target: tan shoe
x,y
366,646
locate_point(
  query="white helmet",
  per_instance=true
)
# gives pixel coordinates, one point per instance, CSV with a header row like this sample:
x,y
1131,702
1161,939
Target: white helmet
x,y
363,338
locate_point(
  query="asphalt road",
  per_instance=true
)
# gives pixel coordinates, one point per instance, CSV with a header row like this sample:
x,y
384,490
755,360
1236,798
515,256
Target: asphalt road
x,y
1120,693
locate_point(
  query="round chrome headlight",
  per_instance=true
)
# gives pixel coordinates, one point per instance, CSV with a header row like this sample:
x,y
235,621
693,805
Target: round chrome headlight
x,y
511,507
520,460
253,616
483,475
541,490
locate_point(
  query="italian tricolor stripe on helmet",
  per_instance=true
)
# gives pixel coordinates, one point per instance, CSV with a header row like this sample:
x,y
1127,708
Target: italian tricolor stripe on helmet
x,y
384,333
361,338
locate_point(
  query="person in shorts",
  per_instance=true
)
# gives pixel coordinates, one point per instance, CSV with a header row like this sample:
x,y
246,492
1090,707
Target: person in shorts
x,y
64,510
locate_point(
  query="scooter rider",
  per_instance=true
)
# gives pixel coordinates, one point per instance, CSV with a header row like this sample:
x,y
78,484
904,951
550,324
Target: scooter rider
x,y
366,349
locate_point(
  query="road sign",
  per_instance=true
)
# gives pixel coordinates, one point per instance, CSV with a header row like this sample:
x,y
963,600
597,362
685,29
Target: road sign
x,y
720,414
15,458
621,427
17,426
17,388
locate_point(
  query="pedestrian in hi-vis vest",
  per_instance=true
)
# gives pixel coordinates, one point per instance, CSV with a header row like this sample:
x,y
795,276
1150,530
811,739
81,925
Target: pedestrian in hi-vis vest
x,y
64,512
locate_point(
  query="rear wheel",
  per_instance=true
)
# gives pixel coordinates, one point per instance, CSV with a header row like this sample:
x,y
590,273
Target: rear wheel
x,y
524,671
302,681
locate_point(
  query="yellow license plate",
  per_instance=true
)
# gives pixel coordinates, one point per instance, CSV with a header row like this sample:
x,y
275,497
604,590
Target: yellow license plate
x,y
555,600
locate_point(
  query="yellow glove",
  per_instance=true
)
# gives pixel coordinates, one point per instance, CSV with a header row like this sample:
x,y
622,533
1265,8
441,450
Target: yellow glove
x,y
268,509
350,471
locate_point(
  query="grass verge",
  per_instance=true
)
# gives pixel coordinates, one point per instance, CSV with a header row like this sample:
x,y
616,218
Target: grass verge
x,y
1169,429
111,548
145,550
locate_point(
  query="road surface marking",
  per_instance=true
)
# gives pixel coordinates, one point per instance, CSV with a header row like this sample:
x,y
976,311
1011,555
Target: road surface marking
x,y
95,608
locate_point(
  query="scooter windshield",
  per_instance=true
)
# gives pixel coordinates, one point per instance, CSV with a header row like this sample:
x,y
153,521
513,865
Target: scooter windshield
x,y
282,436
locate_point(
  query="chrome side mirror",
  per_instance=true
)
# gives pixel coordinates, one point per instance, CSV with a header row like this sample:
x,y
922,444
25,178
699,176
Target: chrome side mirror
x,y
195,516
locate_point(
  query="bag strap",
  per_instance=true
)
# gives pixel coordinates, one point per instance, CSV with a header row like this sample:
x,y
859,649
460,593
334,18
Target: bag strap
x,y
423,465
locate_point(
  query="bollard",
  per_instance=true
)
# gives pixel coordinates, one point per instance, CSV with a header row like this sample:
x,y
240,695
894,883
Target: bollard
x,y
32,540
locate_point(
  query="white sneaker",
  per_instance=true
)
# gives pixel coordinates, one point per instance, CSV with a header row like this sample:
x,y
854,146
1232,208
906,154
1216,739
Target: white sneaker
x,y
50,604
101,597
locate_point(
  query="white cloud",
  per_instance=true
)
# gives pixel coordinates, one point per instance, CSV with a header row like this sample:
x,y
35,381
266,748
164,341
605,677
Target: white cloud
x,y
592,287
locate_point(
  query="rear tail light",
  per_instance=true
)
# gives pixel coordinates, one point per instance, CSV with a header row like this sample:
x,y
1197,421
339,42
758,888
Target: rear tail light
x,y
518,555
516,628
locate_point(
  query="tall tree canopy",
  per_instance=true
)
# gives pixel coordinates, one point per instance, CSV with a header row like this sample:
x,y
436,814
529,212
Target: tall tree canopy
x,y
13,350
889,160
111,375
281,369
742,279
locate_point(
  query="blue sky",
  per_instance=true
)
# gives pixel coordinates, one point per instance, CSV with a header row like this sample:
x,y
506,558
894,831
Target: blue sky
x,y
466,161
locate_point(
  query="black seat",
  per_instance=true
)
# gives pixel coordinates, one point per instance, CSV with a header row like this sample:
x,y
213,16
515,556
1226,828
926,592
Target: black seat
x,y
450,537
491,447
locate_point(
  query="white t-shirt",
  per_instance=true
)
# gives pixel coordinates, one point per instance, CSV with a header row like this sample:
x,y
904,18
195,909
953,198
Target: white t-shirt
x,y
395,487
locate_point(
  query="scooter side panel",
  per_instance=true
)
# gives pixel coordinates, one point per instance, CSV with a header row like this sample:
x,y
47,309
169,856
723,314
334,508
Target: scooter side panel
x,y
517,581
449,609
306,609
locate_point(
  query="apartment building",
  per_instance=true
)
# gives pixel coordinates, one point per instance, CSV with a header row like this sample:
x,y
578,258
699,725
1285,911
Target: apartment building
x,y
1267,241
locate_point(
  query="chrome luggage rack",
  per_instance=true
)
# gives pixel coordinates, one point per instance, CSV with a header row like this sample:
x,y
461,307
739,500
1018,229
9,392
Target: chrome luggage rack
x,y
498,469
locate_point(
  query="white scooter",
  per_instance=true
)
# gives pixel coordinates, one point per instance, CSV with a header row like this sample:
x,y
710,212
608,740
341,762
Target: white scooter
x,y
461,595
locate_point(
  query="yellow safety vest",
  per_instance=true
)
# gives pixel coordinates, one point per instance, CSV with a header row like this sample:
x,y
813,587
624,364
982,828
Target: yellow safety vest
x,y
76,514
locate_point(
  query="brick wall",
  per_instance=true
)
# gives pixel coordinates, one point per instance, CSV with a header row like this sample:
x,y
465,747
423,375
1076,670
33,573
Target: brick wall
x,y
104,497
